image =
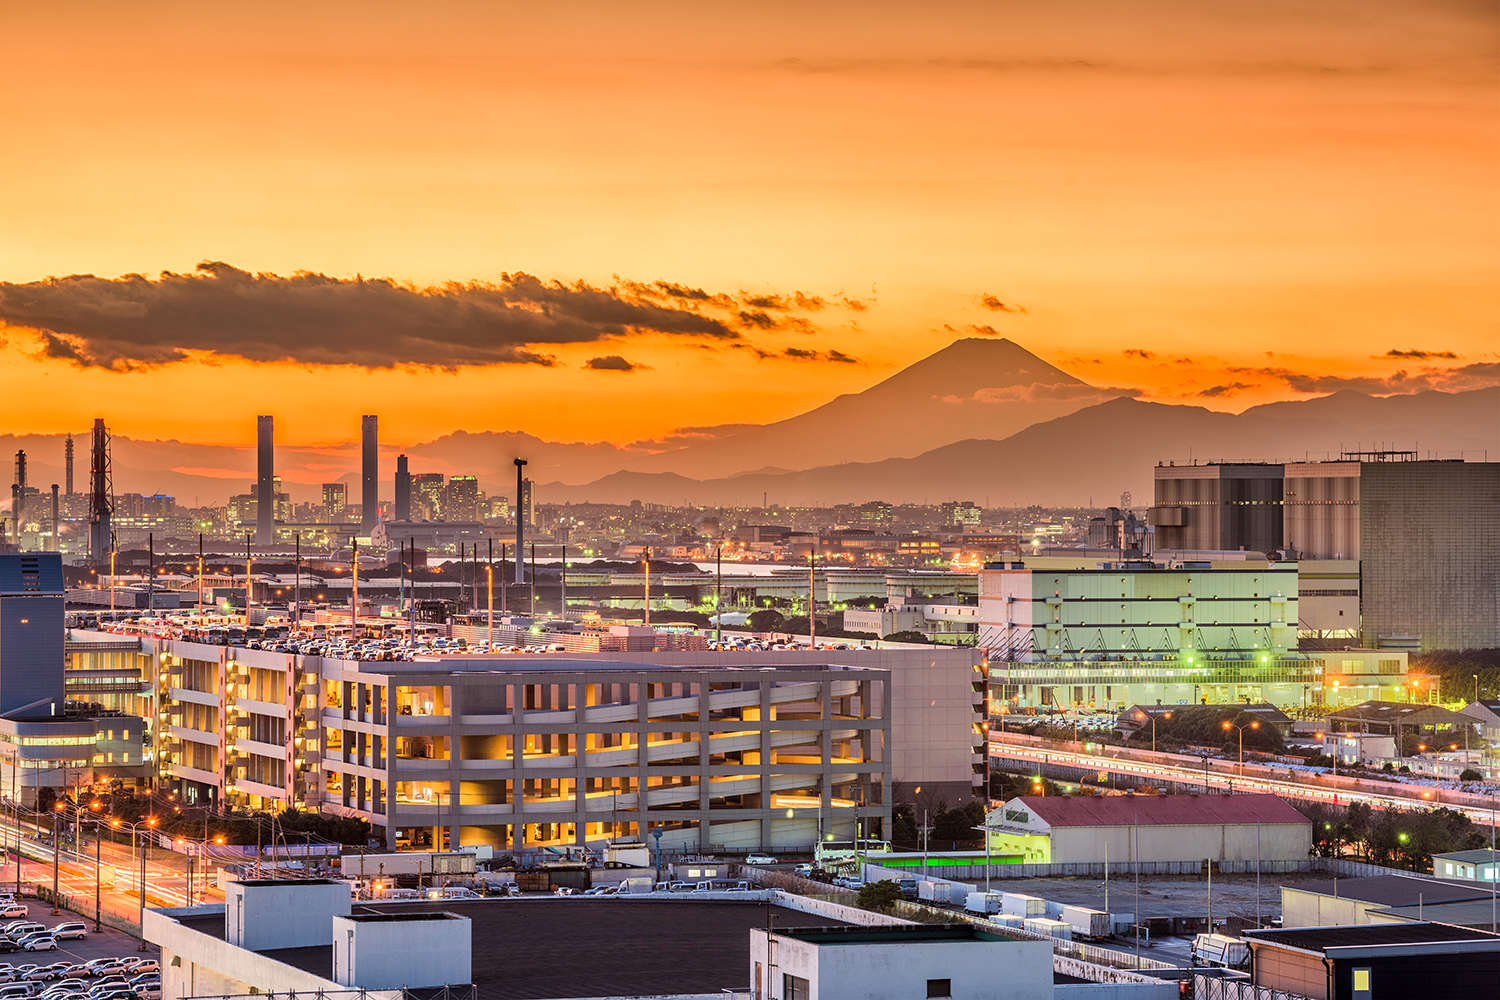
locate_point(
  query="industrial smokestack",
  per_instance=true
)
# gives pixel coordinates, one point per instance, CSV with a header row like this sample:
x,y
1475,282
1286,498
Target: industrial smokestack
x,y
101,499
265,480
68,466
403,489
370,493
54,517
18,494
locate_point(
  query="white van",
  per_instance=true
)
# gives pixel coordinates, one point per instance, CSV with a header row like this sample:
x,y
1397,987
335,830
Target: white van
x,y
71,929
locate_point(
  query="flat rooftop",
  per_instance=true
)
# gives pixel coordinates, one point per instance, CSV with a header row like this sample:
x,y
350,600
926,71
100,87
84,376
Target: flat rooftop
x,y
917,934
527,949
1370,935
1397,890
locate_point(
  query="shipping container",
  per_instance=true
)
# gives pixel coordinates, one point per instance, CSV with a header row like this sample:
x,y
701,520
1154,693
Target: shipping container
x,y
983,902
1059,929
1087,923
1026,906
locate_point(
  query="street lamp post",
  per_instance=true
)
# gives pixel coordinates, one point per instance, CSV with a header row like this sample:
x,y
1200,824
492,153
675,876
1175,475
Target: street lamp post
x,y
1167,715
1249,725
56,855
98,902
134,833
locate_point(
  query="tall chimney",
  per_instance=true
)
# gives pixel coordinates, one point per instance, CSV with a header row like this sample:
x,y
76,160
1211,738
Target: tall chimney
x,y
370,495
265,480
68,464
54,517
18,506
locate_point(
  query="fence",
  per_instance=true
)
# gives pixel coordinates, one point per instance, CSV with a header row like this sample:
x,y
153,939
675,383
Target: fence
x,y
1212,988
467,991
1096,869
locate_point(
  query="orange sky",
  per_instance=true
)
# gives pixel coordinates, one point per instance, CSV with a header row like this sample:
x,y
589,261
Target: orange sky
x,y
1273,191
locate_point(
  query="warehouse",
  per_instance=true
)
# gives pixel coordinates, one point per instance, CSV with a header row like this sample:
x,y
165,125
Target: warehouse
x,y
1149,829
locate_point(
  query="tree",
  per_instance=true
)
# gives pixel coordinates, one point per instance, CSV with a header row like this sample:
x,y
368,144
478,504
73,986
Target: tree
x,y
907,636
1469,774
766,620
879,896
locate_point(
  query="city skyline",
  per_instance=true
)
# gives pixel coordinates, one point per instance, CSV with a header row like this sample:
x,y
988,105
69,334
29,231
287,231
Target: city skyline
x,y
730,214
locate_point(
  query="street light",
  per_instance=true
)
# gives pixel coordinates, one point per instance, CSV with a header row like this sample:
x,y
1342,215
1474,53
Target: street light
x,y
142,917
1249,725
1167,715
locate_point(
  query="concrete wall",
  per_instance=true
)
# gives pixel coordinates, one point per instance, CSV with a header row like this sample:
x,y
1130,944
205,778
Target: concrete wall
x,y
1295,972
992,970
392,950
277,914
197,964
1313,909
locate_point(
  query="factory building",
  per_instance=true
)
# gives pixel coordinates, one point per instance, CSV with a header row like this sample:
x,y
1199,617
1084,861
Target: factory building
x,y
1148,829
1064,633
1218,506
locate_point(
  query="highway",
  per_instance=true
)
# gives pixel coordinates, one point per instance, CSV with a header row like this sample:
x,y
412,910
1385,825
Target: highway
x,y
1245,778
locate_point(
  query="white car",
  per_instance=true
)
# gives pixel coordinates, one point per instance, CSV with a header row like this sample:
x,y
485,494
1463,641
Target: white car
x,y
13,910
759,859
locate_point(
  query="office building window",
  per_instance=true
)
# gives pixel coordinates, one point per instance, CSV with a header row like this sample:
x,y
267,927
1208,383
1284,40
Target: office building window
x,y
939,987
794,988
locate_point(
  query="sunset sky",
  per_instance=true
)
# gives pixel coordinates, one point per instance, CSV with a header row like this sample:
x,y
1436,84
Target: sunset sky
x,y
603,222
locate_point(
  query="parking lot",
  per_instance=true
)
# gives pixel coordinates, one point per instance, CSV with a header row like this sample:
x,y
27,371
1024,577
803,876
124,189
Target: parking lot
x,y
107,943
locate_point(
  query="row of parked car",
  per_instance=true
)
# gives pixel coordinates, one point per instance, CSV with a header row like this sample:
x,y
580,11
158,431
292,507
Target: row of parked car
x,y
99,979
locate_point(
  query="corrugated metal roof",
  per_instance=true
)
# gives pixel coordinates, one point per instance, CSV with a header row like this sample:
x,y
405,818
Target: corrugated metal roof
x,y
1161,810
1368,935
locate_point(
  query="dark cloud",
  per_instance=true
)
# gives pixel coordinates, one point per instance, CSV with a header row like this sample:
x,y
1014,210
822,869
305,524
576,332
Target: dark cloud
x,y
613,363
854,305
759,319
1139,352
782,303
812,303
1228,389
1420,355
991,302
681,294
1462,378
134,321
800,354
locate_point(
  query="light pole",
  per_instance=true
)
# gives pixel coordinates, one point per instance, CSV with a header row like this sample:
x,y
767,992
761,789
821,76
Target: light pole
x,y
1249,725
1335,751
57,807
141,919
98,903
1166,715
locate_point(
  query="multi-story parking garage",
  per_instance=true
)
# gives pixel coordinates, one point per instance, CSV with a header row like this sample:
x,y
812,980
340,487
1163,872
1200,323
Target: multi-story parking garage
x,y
516,751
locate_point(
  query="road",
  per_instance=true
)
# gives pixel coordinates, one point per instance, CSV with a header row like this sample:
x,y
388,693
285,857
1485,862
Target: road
x,y
1246,778
118,876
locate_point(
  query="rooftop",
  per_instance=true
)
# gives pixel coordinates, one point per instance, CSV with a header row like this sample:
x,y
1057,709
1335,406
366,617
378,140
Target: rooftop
x,y
1160,810
1396,890
1477,856
634,947
1391,713
1324,939
892,935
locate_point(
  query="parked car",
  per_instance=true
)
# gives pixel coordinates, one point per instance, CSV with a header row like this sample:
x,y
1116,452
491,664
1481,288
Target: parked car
x,y
71,929
6,946
40,942
56,970
13,910
151,991
145,965
759,859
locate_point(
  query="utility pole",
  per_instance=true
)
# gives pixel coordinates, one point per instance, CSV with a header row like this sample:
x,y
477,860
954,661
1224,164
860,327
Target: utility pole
x,y
297,579
249,593
200,576
647,563
562,602
812,597
354,611
719,593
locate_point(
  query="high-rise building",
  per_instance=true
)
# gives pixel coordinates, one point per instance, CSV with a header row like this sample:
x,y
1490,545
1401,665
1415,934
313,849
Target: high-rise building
x,y
1218,507
403,489
527,505
427,495
461,499
370,472
335,499
265,490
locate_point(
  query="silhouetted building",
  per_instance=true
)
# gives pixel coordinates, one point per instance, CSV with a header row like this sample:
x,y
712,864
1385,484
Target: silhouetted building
x,y
265,513
403,489
335,499
369,509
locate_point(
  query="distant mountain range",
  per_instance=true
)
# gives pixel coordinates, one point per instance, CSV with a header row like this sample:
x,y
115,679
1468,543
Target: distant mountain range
x,y
1092,455
984,420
